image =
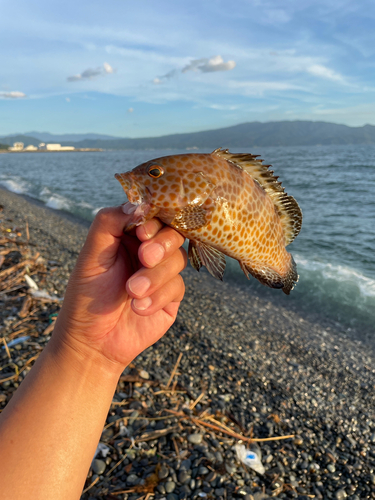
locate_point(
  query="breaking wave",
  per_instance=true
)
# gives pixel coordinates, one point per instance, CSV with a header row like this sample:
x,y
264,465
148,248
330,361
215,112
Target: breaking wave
x,y
15,184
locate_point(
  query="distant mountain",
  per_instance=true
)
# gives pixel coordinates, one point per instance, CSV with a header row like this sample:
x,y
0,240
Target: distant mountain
x,y
245,135
11,139
47,137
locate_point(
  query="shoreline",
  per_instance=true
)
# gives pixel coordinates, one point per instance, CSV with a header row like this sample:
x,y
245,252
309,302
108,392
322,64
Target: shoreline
x,y
272,371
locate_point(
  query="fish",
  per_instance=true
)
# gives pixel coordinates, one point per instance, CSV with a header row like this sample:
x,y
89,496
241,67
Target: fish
x,y
226,204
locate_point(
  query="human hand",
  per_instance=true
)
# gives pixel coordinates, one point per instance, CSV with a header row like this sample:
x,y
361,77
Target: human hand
x,y
125,290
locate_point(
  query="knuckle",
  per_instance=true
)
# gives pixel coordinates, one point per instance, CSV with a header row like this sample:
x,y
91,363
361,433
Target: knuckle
x,y
103,214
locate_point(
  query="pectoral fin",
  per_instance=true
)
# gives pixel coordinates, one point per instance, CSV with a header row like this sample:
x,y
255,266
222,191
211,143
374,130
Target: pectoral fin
x,y
201,254
194,216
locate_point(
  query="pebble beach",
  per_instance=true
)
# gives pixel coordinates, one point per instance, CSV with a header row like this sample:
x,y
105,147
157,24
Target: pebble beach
x,y
234,369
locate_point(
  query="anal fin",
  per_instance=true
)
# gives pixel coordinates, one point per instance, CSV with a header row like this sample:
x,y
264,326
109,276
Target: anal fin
x,y
193,254
201,254
269,277
266,275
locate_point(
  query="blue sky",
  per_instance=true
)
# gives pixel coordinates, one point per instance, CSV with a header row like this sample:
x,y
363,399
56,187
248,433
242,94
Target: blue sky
x,y
140,68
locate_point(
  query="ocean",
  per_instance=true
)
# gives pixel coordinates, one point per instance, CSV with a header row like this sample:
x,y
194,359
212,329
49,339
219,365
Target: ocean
x,y
334,185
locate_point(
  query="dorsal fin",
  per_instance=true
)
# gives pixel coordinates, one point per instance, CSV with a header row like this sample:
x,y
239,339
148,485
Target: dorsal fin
x,y
289,211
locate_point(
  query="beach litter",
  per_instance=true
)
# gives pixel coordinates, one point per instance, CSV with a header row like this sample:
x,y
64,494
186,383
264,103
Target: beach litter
x,y
250,457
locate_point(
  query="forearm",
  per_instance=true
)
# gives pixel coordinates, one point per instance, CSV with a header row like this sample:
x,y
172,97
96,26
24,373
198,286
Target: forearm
x,y
50,429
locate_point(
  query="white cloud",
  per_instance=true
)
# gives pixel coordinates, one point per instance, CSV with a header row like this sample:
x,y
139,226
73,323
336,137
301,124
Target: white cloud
x,y
12,95
108,68
324,72
90,74
254,88
130,110
206,65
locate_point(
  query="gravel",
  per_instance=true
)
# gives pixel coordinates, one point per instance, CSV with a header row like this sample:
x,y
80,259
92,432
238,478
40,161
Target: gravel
x,y
258,369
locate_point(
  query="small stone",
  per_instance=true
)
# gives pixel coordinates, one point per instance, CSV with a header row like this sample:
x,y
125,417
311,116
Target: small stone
x,y
161,489
106,434
170,486
98,466
298,441
230,468
259,495
184,477
132,479
144,374
163,472
340,494
203,470
172,496
331,468
211,477
220,492
133,417
185,465
268,459
195,438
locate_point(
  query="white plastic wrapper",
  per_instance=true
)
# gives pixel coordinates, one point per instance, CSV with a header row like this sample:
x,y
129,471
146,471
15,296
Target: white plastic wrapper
x,y
31,283
249,458
103,449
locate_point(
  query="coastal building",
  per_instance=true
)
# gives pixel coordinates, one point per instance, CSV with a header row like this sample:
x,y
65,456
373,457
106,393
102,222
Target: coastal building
x,y
17,146
55,147
58,147
30,147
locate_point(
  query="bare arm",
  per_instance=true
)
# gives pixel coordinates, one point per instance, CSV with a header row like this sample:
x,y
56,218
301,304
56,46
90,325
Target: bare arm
x,y
50,429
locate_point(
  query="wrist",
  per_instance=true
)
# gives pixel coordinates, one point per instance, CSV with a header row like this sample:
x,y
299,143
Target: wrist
x,y
82,359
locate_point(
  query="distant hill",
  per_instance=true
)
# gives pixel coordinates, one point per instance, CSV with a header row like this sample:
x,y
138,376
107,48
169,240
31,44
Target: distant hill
x,y
245,135
11,139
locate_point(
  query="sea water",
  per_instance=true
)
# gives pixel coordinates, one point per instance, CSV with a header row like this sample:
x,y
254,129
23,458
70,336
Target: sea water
x,y
334,186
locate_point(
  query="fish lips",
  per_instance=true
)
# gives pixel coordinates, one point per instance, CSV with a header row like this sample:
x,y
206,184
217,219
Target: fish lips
x,y
137,206
131,188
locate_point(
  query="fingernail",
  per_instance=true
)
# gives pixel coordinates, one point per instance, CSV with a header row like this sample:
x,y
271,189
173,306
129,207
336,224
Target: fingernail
x,y
139,285
153,254
142,304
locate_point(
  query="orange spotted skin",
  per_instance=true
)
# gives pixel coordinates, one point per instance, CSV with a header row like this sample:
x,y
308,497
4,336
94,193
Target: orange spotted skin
x,y
239,217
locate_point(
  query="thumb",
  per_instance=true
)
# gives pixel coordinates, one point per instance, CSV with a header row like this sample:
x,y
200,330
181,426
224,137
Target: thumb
x,y
104,238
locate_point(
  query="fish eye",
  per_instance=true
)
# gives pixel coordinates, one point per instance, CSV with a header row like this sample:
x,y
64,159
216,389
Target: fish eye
x,y
155,171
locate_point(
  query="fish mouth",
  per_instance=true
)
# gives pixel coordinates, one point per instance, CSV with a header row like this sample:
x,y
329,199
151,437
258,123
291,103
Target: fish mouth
x,y
137,206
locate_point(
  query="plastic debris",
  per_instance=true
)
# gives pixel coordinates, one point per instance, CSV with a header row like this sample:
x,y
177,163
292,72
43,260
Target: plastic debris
x,y
31,283
251,458
103,449
42,294
14,342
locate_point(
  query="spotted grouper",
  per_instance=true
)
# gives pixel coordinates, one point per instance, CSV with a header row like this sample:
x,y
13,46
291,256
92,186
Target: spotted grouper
x,y
223,203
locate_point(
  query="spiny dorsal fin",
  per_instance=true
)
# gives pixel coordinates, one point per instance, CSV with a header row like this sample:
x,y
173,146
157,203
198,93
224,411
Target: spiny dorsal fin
x,y
290,213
